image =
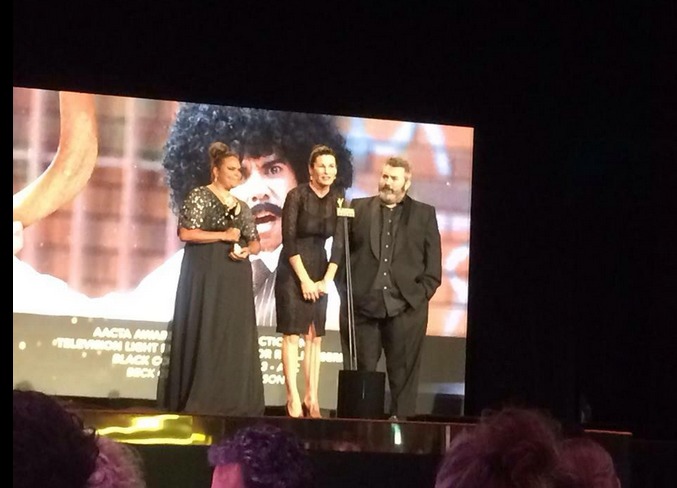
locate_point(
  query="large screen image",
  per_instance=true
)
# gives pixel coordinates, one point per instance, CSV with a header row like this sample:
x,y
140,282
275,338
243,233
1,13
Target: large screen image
x,y
95,277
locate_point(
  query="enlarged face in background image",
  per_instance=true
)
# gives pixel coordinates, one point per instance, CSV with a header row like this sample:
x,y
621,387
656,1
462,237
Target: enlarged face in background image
x,y
264,187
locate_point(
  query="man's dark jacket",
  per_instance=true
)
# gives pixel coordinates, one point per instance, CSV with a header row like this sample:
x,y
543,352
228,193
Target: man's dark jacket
x,y
416,268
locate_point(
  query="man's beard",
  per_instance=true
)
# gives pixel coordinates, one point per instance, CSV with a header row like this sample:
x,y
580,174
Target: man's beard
x,y
390,196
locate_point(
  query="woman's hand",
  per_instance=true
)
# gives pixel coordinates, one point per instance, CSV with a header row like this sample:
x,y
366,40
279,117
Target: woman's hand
x,y
231,235
310,291
321,287
239,253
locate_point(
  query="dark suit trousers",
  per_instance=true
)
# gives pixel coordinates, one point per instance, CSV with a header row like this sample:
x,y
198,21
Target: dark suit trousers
x,y
401,339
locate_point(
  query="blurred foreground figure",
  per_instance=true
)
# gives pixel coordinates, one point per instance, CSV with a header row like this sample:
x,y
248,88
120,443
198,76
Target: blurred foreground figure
x,y
587,464
261,456
511,448
53,449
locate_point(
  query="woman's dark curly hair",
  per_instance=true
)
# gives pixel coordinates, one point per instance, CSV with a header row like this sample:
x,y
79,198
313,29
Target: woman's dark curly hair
x,y
268,457
249,132
52,448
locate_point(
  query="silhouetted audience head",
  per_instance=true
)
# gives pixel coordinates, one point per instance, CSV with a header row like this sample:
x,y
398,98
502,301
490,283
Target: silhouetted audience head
x,y
587,464
51,445
260,456
510,448
119,465
53,448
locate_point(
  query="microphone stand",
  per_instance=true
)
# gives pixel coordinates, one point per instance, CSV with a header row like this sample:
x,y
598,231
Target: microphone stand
x,y
345,214
361,394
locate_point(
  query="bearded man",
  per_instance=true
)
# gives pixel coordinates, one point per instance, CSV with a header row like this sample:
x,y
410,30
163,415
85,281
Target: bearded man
x,y
395,255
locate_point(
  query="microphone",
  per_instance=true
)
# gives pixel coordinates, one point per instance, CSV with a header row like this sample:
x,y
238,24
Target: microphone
x,y
342,211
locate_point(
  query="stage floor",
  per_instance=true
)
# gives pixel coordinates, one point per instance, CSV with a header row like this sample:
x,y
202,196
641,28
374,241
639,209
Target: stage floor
x,y
144,424
346,452
147,426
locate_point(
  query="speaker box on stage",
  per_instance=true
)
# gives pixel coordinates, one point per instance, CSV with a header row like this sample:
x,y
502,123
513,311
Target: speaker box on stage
x,y
361,394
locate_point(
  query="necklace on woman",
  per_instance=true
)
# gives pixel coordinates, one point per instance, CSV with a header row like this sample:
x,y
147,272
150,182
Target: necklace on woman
x,y
225,197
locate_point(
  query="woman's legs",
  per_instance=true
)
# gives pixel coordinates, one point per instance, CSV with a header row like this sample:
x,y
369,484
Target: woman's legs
x,y
311,369
290,365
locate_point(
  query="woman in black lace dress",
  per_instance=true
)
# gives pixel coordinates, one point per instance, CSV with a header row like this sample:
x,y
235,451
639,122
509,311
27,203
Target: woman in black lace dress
x,y
304,273
214,366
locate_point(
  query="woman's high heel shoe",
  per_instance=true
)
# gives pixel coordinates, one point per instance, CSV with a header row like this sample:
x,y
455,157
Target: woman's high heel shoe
x,y
289,413
309,411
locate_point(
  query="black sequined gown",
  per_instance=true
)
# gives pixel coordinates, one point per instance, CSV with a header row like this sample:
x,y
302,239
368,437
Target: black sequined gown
x,y
213,362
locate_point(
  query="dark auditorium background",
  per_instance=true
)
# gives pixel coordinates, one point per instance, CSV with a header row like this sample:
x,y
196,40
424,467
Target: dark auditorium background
x,y
572,286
